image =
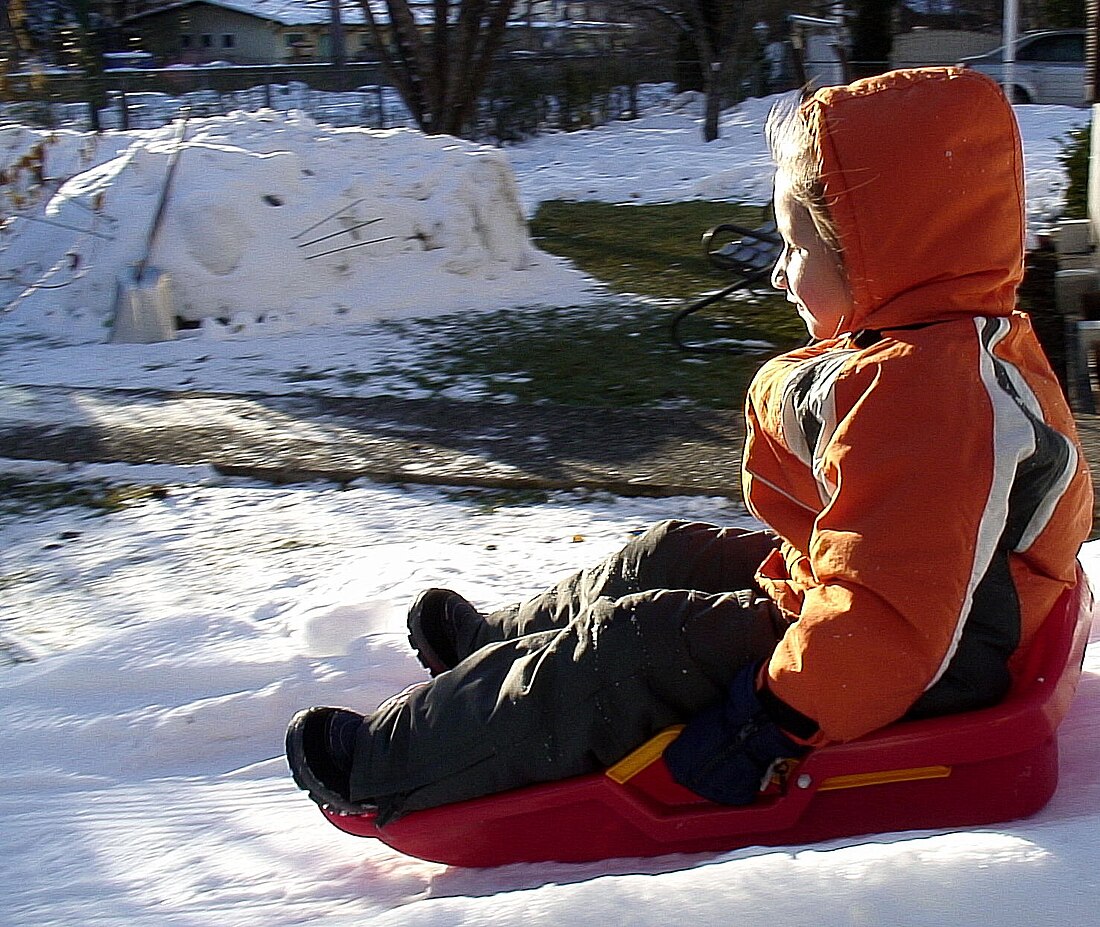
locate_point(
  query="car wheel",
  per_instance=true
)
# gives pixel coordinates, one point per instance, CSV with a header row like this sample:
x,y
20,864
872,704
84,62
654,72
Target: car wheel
x,y
1020,95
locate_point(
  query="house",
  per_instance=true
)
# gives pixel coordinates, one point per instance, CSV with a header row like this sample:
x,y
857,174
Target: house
x,y
246,31
568,27
285,31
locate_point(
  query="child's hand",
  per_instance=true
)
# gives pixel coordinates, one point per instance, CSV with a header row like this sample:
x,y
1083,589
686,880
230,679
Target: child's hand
x,y
725,754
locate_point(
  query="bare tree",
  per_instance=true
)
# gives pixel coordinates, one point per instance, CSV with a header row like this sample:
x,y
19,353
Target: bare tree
x,y
872,36
719,32
439,67
70,32
14,37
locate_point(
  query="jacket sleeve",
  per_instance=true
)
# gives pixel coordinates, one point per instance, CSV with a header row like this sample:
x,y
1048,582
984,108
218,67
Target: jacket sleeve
x,y
915,469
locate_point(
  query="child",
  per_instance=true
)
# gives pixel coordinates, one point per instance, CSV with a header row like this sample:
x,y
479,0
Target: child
x,y
916,464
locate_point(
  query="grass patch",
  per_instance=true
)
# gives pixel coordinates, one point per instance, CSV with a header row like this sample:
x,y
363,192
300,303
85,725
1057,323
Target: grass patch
x,y
619,354
1074,157
354,377
488,501
305,375
20,496
610,353
652,250
606,355
10,580
289,544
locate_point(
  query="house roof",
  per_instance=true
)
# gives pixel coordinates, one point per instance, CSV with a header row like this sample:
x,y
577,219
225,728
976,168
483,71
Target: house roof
x,y
314,12
284,12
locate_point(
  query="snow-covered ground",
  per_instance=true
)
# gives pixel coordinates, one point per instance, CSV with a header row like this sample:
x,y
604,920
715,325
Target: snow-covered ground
x,y
250,186
144,781
161,648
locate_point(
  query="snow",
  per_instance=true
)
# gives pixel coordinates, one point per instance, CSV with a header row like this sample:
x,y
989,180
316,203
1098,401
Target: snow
x,y
450,211
274,225
143,769
293,12
155,653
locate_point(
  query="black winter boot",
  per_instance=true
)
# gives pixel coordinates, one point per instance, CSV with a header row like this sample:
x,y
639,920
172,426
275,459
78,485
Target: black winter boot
x,y
442,627
320,745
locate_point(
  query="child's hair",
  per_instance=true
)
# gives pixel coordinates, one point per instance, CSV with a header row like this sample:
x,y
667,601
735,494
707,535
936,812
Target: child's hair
x,y
796,150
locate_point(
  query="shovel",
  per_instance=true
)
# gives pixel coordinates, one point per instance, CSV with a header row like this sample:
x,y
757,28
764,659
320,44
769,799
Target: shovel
x,y
143,295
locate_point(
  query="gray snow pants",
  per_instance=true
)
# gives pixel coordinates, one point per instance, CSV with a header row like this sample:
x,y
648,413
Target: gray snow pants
x,y
572,680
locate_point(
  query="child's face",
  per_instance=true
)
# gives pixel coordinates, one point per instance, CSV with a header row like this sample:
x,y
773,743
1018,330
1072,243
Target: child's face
x,y
809,270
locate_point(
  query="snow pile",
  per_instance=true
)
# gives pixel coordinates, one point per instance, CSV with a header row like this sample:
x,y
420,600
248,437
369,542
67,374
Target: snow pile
x,y
278,224
1045,131
275,223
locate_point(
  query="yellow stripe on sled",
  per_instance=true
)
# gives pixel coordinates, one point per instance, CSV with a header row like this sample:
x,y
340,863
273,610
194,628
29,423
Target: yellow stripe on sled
x,y
858,780
633,763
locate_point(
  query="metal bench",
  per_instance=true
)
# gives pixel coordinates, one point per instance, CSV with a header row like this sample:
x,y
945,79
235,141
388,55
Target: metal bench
x,y
750,255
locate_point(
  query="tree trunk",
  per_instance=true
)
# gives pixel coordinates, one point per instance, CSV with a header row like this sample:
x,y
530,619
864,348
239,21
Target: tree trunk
x,y
475,70
872,37
440,71
90,48
712,88
396,44
708,30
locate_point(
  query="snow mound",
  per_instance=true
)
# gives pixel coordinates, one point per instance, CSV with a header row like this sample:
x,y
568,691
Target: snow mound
x,y
275,223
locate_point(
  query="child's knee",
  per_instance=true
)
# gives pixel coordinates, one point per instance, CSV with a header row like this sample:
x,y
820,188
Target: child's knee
x,y
657,534
667,544
655,616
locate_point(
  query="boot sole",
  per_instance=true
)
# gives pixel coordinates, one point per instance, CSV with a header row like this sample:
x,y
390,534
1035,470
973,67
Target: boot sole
x,y
326,798
425,653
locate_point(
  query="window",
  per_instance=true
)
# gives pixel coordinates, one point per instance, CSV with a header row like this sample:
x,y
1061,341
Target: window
x,y
229,41
1054,48
185,41
295,38
207,40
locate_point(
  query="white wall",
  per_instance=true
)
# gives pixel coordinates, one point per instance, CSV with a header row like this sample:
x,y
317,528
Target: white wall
x,y
939,46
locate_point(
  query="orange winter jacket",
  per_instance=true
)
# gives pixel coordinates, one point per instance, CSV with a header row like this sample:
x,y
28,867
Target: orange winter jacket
x,y
922,470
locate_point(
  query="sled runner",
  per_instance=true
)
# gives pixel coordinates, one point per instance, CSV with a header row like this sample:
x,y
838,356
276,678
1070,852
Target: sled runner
x,y
957,771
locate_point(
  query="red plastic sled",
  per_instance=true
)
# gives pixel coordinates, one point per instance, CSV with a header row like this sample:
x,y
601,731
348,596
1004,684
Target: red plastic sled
x,y
968,769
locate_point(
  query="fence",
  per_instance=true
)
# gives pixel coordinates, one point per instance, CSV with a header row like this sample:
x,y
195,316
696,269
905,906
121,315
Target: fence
x,y
125,99
524,94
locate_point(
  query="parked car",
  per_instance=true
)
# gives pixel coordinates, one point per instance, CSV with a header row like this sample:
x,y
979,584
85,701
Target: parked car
x,y
1049,67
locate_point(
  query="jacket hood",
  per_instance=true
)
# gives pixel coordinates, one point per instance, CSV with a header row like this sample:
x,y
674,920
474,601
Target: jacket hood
x,y
923,174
